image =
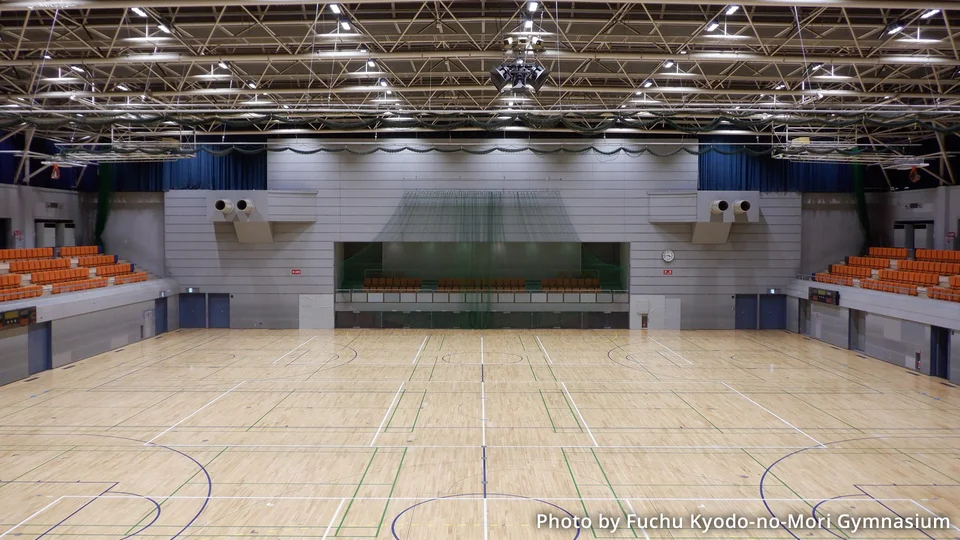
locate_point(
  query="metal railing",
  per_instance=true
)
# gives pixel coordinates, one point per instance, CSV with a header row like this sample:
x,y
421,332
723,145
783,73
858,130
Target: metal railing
x,y
496,297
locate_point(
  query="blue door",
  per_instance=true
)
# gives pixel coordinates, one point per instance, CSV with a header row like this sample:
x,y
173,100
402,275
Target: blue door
x,y
939,352
746,312
773,312
160,315
218,308
193,310
39,347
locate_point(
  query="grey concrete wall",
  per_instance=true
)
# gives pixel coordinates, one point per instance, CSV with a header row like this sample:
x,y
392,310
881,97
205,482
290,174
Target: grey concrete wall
x,y
134,230
954,374
793,314
830,230
25,204
830,324
897,341
14,359
83,336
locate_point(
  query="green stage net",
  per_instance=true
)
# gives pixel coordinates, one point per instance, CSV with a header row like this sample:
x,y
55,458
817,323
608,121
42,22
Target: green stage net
x,y
481,243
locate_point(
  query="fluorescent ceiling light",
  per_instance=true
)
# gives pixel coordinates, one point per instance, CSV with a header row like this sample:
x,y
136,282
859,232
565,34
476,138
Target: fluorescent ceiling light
x,y
47,56
648,84
139,11
894,28
383,82
669,64
532,6
335,8
345,25
123,88
528,24
930,13
713,26
834,77
732,9
78,69
918,40
164,28
371,63
223,65
252,85
816,66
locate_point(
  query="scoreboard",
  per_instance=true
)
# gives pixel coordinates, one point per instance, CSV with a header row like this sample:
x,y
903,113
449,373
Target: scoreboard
x,y
16,318
824,296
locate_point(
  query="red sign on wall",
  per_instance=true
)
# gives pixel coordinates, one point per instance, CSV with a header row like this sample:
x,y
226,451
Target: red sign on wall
x,y
668,272
295,272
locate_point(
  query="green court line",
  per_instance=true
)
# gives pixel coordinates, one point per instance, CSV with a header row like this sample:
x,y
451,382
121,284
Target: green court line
x,y
8,482
395,409
934,469
548,410
347,511
394,486
696,411
575,486
534,373
270,411
187,481
613,491
419,408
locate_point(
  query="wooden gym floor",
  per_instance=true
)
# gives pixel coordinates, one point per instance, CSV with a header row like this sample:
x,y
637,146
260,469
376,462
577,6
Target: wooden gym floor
x,y
415,434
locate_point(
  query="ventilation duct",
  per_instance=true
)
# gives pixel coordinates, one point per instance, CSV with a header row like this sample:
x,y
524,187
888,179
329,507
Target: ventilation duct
x,y
741,207
246,206
719,206
224,206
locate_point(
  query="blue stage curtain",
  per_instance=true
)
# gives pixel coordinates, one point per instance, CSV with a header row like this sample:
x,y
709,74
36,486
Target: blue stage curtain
x,y
744,172
204,171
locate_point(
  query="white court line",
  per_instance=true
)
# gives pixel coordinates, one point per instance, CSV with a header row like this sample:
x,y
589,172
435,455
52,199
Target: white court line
x,y
550,447
820,444
671,350
295,348
486,527
595,443
35,514
483,439
194,413
395,396
544,349
952,526
417,356
455,499
634,512
332,519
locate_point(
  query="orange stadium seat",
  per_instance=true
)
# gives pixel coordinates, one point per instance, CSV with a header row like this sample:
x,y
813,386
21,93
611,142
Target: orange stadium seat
x,y
851,271
884,286
20,293
28,253
54,276
869,262
937,255
130,278
836,280
113,269
9,281
79,285
97,260
76,251
889,253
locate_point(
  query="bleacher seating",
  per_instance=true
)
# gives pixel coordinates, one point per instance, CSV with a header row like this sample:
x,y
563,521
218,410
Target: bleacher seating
x,y
31,253
394,284
915,278
25,267
836,280
29,273
499,284
888,252
79,285
869,262
77,251
97,260
939,268
937,255
851,271
570,284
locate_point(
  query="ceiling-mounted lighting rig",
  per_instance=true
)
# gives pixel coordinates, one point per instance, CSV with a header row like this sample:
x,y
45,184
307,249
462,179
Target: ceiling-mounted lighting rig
x,y
520,70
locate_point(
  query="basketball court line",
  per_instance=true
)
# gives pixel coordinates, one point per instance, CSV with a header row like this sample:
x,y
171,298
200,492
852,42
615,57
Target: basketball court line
x,y
477,497
295,348
671,350
931,512
332,519
483,437
417,356
819,444
634,512
193,413
35,514
564,385
386,414
545,353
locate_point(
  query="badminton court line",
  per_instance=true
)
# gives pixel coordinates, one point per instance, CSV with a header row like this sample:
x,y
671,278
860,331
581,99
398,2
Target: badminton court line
x,y
931,512
634,512
35,514
595,443
820,444
671,350
295,348
332,519
544,349
194,413
420,350
390,408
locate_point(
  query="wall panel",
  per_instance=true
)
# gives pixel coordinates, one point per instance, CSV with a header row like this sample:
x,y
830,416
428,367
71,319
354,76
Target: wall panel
x,y
83,336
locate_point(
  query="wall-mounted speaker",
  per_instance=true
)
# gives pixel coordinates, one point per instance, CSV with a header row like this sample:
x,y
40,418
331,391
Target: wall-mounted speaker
x,y
224,206
741,207
246,206
719,206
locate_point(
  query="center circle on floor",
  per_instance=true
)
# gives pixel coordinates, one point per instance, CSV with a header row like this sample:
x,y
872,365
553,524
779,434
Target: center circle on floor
x,y
488,358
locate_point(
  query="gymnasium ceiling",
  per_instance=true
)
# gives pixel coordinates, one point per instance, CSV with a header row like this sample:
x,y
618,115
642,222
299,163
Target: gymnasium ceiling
x,y
101,70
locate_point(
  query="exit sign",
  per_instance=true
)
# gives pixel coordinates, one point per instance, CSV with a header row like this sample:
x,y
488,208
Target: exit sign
x,y
668,272
295,272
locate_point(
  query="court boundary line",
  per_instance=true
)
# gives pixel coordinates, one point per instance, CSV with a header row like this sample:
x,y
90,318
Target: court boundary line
x,y
819,444
572,402
671,350
194,413
417,356
295,348
544,349
40,511
480,497
332,519
634,512
377,433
